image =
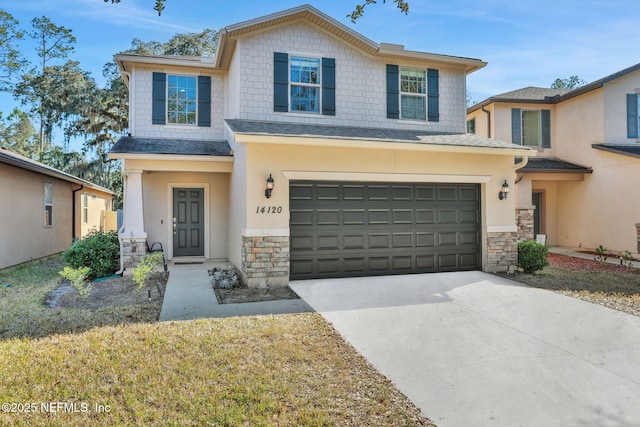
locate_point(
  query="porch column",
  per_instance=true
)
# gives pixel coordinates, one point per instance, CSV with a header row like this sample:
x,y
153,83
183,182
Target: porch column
x,y
133,238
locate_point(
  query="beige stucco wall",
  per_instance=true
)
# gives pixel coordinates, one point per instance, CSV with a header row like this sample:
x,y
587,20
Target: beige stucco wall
x,y
615,113
99,203
581,123
285,162
23,234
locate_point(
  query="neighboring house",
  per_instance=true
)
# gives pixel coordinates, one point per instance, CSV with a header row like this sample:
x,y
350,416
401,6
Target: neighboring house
x,y
579,189
44,209
364,145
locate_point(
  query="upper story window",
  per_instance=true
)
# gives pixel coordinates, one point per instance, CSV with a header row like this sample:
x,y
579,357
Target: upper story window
x,y
305,84
413,94
48,204
471,126
182,100
531,128
85,208
633,115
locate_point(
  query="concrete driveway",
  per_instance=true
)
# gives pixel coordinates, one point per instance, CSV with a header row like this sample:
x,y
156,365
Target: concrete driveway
x,y
475,349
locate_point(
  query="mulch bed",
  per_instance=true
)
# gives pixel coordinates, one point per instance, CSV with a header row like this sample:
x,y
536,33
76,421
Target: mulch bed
x,y
243,294
565,261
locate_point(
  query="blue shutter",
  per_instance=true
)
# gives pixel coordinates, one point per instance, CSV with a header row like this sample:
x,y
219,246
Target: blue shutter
x,y
393,92
632,115
280,82
433,95
328,86
204,101
516,126
159,103
545,118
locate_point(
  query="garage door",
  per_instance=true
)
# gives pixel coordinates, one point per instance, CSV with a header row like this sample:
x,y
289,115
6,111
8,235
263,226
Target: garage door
x,y
341,229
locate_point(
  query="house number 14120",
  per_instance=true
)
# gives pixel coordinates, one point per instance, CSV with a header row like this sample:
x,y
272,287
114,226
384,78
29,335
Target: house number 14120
x,y
269,209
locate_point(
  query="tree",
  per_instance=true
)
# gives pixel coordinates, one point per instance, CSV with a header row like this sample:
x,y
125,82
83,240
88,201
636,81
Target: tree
x,y
18,134
11,59
203,43
570,83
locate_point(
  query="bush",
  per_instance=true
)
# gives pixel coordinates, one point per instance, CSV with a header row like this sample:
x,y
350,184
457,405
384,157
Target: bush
x,y
77,277
99,251
532,256
148,264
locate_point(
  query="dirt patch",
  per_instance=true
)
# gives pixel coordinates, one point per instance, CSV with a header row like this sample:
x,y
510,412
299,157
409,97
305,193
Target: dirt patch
x,y
244,294
111,292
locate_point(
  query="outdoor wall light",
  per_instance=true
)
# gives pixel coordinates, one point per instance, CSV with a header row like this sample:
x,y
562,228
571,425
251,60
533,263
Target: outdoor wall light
x,y
502,195
269,189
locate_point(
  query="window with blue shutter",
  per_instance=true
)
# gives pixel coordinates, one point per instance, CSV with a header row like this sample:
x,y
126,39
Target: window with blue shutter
x,y
204,101
433,95
159,93
280,82
328,86
633,118
516,126
393,92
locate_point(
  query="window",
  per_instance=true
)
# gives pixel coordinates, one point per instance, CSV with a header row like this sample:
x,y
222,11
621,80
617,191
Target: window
x,y
85,208
48,204
182,100
413,94
471,126
633,115
531,128
304,83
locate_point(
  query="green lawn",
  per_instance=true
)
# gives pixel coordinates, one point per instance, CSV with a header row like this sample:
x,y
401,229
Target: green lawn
x,y
251,371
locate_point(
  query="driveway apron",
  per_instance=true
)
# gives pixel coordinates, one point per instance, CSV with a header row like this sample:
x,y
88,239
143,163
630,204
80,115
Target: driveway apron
x,y
476,349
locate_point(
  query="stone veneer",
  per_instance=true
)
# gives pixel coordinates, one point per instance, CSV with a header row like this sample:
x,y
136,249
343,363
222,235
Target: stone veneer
x,y
265,261
524,220
132,251
502,251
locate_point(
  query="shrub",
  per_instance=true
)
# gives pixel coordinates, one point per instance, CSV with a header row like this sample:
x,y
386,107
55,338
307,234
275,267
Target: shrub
x,y
224,278
601,254
148,264
77,277
532,256
99,251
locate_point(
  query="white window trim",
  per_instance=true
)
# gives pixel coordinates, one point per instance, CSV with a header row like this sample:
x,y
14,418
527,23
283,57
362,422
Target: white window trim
x,y
167,122
423,95
319,85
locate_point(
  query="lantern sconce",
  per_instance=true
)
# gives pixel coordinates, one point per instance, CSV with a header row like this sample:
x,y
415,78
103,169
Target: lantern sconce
x,y
502,195
269,189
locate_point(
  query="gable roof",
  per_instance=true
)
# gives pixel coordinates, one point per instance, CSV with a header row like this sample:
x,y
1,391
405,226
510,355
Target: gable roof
x,y
228,37
540,95
17,160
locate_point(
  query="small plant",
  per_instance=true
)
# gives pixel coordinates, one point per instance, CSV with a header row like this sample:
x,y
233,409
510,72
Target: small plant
x,y
77,277
532,256
601,254
627,259
225,278
99,250
148,264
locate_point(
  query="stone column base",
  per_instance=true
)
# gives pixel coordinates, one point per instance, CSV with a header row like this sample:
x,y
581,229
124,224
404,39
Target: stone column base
x,y
502,251
265,261
524,221
133,249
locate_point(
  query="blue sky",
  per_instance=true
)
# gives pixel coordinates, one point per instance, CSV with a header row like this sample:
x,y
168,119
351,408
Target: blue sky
x,y
526,43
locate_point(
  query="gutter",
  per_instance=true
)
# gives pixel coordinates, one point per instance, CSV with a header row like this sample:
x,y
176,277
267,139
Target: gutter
x,y
73,211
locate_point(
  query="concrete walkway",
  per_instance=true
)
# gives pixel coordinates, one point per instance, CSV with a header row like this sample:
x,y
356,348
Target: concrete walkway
x,y
189,295
476,349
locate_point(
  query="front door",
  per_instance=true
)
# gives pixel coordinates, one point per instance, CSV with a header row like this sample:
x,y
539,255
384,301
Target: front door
x,y
537,213
188,222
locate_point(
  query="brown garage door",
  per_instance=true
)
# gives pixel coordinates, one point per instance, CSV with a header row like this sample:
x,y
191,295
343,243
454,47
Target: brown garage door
x,y
341,229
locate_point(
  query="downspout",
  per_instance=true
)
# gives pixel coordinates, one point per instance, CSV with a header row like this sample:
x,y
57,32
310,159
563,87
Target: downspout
x,y
488,113
73,212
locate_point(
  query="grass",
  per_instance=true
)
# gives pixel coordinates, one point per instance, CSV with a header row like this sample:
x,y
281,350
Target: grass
x,y
25,315
247,371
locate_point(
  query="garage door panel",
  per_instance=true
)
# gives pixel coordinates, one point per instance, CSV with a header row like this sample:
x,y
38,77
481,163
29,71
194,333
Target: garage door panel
x,y
359,229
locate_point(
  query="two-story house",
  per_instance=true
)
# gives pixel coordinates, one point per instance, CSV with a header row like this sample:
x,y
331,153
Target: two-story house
x,y
579,189
302,149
